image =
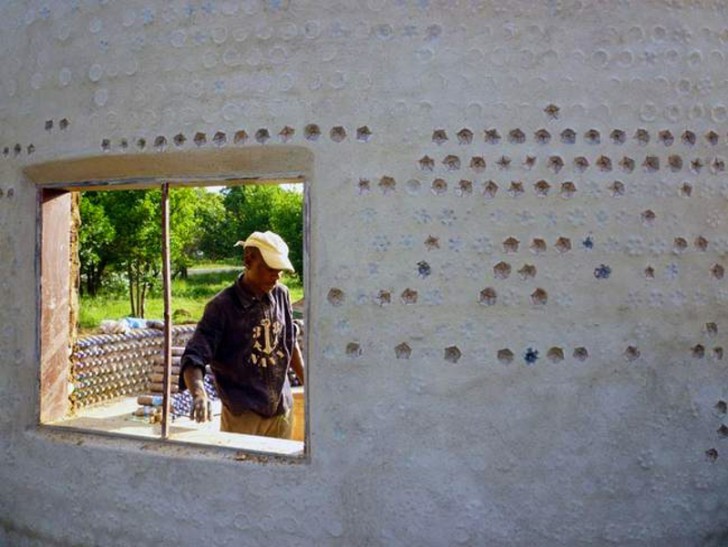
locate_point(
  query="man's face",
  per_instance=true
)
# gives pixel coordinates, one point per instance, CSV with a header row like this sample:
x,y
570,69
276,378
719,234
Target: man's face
x,y
259,276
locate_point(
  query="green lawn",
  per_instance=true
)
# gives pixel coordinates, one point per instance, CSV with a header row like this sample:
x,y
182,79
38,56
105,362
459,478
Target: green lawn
x,y
189,297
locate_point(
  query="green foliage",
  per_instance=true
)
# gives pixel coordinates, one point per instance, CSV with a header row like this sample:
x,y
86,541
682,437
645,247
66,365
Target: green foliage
x,y
248,210
286,219
259,208
185,228
225,218
188,295
138,243
114,284
96,236
121,233
210,217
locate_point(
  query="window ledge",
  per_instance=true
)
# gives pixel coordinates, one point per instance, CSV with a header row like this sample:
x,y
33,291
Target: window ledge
x,y
211,445
112,425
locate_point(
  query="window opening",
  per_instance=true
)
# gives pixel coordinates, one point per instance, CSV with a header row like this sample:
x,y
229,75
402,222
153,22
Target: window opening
x,y
136,349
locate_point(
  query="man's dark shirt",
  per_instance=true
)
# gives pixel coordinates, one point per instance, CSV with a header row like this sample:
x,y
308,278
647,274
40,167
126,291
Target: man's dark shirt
x,y
248,342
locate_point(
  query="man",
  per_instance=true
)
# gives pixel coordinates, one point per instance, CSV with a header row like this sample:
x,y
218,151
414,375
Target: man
x,y
247,336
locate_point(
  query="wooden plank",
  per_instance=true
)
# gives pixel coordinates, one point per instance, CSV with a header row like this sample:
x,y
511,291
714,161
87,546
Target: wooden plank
x,y
167,291
54,247
191,167
299,414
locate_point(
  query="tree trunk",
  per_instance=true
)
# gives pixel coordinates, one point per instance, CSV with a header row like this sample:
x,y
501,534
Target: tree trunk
x,y
90,281
138,294
98,274
130,275
142,300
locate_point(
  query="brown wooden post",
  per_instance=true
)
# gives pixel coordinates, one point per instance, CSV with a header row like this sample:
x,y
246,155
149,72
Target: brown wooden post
x,y
167,288
55,271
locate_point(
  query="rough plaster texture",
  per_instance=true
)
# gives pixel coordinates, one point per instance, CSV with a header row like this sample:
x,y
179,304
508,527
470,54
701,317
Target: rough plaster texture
x,y
420,434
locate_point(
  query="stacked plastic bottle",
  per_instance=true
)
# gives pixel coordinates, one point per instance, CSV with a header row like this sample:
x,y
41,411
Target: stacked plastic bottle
x,y
105,367
181,402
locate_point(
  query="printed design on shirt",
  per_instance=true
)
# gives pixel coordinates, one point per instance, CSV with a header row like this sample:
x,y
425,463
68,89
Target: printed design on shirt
x,y
265,343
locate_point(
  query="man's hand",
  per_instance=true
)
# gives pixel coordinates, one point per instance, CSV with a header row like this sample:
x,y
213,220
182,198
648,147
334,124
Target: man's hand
x,y
201,409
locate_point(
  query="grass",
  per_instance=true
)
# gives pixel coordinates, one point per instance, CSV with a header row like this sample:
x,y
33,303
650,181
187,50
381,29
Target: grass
x,y
189,297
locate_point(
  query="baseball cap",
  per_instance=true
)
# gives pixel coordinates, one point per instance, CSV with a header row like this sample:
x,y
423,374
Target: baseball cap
x,y
272,247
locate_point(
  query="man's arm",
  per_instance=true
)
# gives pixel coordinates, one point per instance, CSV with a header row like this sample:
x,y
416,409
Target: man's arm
x,y
297,362
198,352
200,348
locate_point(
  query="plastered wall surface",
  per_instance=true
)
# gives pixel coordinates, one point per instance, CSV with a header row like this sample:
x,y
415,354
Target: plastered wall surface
x,y
518,255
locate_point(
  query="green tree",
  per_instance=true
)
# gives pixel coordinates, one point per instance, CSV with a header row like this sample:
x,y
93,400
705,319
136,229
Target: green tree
x,y
210,218
262,207
185,228
248,210
136,216
95,237
286,219
121,231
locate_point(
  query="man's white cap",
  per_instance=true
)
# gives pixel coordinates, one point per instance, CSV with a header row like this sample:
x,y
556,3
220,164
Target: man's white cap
x,y
272,247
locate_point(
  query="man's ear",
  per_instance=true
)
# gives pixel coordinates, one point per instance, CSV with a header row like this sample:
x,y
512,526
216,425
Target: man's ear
x,y
249,256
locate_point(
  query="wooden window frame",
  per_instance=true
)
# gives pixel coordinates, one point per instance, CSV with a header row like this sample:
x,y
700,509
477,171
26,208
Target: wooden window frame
x,y
56,180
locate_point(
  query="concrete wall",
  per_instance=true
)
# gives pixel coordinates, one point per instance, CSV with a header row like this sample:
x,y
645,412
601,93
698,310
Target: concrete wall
x,y
420,434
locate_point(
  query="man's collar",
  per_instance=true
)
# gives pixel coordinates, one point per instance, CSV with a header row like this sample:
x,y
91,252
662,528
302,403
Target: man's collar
x,y
246,296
